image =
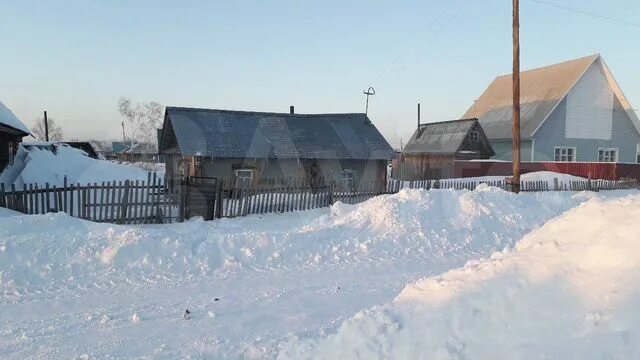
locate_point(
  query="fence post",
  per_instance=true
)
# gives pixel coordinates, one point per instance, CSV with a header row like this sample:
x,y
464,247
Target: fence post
x,y
555,184
182,203
331,193
217,214
124,202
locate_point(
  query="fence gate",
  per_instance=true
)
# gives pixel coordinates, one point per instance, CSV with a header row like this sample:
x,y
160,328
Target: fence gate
x,y
200,199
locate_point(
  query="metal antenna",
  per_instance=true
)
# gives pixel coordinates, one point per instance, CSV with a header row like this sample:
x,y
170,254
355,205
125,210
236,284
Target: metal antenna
x,y
369,91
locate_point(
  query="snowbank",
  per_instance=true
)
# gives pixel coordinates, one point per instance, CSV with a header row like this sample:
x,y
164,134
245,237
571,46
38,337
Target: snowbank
x,y
55,250
42,166
567,291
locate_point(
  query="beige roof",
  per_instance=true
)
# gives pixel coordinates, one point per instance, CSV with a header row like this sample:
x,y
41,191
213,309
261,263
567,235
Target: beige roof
x,y
540,92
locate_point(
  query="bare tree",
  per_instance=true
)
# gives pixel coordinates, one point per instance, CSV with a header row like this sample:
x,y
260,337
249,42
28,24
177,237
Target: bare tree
x,y
143,118
55,131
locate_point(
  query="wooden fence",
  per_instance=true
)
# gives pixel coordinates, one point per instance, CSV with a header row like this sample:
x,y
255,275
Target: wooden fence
x,y
525,186
119,202
143,202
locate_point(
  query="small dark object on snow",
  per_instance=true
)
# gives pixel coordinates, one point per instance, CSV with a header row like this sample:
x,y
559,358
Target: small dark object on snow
x,y
339,288
187,314
216,299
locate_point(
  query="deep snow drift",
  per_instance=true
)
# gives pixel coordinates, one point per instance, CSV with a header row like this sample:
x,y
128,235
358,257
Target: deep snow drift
x,y
56,250
567,291
75,289
42,166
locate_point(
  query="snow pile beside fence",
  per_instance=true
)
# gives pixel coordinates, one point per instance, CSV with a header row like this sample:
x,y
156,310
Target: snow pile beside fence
x,y
55,250
568,291
39,166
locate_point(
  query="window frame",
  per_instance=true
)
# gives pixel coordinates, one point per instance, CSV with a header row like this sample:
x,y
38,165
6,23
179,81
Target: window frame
x,y
243,180
474,136
350,180
638,154
574,154
608,149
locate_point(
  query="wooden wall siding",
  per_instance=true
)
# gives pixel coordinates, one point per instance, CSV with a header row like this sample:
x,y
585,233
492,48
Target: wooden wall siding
x,y
425,166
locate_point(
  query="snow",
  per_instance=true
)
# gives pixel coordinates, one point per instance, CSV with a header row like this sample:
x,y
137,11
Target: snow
x,y
265,286
4,212
8,118
567,291
43,166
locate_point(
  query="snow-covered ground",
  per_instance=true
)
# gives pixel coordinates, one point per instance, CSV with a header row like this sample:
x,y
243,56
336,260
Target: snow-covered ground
x,y
568,290
39,166
288,285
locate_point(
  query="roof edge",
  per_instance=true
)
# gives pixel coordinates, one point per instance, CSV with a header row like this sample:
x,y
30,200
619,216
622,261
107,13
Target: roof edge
x,y
179,108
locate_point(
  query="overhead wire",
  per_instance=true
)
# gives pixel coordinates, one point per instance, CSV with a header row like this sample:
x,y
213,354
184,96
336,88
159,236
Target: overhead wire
x,y
587,13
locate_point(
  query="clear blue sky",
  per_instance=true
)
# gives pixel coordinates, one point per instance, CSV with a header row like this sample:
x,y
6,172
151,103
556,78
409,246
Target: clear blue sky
x,y
76,58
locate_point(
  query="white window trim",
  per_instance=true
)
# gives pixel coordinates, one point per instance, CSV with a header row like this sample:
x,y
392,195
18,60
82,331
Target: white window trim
x,y
575,153
242,179
617,150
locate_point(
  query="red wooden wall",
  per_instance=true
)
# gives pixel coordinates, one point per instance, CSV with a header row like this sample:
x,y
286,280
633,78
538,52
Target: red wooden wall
x,y
608,171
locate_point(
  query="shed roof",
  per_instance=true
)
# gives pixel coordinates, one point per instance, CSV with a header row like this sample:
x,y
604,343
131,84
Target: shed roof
x,y
541,90
119,147
7,118
243,134
443,137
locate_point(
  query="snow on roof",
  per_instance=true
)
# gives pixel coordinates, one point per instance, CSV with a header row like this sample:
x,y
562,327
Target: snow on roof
x,y
7,118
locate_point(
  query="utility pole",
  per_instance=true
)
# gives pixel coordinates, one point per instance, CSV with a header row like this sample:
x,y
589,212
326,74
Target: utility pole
x,y
515,181
369,91
46,128
124,138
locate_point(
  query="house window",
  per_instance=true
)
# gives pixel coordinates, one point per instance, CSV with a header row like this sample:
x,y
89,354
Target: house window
x,y
244,178
638,154
348,179
607,155
565,154
474,136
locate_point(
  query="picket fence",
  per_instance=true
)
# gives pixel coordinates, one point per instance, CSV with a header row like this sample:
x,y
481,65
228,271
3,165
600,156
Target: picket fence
x,y
119,202
143,202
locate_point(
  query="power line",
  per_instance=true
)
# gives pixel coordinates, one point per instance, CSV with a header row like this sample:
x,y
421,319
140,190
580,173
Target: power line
x,y
588,13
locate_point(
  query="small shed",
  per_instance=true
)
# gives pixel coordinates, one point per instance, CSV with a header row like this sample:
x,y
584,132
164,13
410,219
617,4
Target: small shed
x,y
254,147
434,147
12,130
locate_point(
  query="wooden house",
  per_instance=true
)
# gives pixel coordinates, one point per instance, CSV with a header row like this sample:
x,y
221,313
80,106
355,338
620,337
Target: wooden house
x,y
434,147
12,130
249,147
573,111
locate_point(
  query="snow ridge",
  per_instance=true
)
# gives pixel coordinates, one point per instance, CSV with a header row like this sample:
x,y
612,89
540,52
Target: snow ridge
x,y
567,291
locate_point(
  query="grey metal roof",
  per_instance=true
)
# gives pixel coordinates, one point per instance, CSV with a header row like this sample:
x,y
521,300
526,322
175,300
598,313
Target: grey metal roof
x,y
242,134
440,137
541,91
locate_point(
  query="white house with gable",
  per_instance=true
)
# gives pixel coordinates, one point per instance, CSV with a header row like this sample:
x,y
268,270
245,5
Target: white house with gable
x,y
572,111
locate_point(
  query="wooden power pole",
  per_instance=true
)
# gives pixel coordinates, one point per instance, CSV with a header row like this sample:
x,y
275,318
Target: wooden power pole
x,y
515,184
46,127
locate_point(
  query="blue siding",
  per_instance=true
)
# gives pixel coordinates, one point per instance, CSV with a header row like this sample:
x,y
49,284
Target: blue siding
x,y
625,137
503,148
